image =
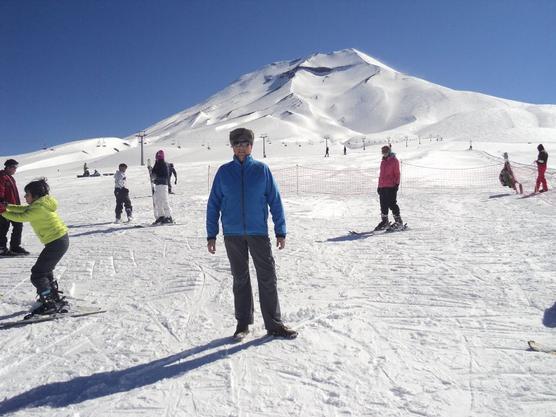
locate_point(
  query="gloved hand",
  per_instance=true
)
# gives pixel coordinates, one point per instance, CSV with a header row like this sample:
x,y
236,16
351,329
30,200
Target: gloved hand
x,y
176,181
3,207
397,187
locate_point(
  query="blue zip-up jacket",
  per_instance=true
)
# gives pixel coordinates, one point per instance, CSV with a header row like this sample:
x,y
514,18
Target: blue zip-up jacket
x,y
242,194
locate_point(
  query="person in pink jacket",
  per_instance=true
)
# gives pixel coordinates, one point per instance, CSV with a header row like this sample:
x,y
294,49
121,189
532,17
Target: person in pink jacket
x,y
388,184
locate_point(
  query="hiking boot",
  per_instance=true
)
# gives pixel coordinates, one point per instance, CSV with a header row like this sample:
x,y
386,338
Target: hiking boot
x,y
19,250
283,331
384,223
241,331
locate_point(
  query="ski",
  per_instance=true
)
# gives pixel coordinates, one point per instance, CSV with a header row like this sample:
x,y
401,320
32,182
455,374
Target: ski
x,y
50,317
540,348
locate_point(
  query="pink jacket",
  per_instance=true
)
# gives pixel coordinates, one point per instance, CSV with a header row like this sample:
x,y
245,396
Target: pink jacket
x,y
389,172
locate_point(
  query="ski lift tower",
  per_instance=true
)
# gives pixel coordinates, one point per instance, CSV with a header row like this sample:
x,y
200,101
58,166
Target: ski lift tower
x,y
141,135
263,137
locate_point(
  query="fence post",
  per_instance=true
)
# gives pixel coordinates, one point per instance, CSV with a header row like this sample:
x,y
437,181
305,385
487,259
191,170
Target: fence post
x,y
297,179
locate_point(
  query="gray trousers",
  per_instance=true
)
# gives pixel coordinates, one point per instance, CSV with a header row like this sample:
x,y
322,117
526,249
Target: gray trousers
x,y
42,273
238,249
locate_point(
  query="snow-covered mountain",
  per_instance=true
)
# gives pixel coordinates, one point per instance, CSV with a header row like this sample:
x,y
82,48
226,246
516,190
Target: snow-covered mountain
x,y
347,95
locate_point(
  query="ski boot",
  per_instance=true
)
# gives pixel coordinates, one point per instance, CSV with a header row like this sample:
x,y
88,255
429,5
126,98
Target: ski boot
x,y
397,225
50,303
384,224
160,220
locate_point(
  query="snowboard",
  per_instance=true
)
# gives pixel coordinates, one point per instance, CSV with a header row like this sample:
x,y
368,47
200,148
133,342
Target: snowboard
x,y
537,347
79,312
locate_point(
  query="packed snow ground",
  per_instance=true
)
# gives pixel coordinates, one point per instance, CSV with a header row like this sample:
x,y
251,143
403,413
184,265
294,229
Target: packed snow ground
x,y
432,321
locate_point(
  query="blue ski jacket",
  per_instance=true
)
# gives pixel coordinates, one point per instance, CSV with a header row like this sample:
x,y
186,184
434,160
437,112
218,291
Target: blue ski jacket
x,y
241,194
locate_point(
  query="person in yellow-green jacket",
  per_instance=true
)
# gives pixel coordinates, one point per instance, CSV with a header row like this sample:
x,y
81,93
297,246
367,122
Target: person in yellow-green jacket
x,y
53,233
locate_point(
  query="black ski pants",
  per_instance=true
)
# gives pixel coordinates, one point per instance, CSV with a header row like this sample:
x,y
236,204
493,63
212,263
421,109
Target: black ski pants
x,y
238,249
388,197
15,239
122,199
42,273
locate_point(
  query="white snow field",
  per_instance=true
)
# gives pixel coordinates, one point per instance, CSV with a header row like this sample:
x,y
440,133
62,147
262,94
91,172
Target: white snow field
x,y
432,321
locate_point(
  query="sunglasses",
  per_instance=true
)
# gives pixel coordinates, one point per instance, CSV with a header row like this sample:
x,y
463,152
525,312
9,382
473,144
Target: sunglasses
x,y
242,144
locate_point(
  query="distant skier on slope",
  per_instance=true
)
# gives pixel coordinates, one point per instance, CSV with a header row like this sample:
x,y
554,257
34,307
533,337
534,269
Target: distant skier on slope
x,y
507,177
542,161
53,233
121,193
388,184
160,175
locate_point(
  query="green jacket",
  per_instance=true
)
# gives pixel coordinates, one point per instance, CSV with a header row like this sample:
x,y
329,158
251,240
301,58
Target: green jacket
x,y
42,215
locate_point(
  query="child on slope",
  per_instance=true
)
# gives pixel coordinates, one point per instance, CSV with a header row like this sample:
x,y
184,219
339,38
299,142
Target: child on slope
x,y
53,233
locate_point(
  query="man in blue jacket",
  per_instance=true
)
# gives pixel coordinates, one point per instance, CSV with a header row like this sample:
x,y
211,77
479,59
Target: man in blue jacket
x,y
242,192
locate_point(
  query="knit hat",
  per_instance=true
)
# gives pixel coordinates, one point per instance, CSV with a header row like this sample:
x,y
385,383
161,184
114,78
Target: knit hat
x,y
159,155
241,135
11,163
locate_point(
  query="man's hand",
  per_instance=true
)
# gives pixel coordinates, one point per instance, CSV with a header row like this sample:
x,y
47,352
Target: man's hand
x,y
281,242
211,246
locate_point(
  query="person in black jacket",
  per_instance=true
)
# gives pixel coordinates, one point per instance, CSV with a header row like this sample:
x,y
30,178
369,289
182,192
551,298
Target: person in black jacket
x,y
172,172
542,161
160,175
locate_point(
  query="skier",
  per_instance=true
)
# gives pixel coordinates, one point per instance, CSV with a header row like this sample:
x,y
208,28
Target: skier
x,y
86,172
160,175
327,152
388,184
10,195
542,161
53,233
122,194
172,172
507,177
242,192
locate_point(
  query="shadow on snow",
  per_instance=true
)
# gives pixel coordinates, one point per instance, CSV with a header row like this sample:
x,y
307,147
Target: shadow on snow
x,y
549,318
80,389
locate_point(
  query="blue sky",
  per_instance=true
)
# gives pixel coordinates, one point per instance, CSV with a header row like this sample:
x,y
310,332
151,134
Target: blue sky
x,y
72,69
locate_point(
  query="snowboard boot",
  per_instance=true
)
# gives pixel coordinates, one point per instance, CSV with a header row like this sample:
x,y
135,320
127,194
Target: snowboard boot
x,y
384,223
168,220
117,221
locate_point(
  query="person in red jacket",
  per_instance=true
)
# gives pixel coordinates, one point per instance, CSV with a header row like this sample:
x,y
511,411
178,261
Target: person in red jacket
x,y
388,184
10,195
